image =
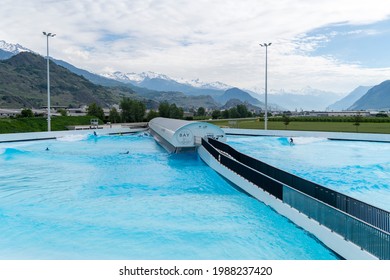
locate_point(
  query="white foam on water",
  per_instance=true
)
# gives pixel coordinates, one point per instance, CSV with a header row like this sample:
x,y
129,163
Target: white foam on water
x,y
72,138
307,140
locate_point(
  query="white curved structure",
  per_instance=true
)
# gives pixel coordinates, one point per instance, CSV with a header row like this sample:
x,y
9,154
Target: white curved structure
x,y
181,136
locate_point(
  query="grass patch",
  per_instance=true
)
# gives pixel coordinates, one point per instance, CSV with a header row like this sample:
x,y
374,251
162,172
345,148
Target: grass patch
x,y
60,123
364,127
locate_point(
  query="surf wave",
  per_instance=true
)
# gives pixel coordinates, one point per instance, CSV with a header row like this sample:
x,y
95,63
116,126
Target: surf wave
x,y
72,138
307,140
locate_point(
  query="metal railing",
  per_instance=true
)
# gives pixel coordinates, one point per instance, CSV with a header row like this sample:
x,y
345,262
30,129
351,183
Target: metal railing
x,y
373,215
311,199
367,237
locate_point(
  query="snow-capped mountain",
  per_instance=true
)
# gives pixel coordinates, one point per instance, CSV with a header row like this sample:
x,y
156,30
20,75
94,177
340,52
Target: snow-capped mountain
x,y
199,84
307,98
12,49
161,82
139,78
135,78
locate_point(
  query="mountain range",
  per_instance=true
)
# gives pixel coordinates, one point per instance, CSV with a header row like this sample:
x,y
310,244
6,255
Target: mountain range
x,y
376,98
23,83
150,87
306,99
346,102
232,93
144,78
153,88
8,50
162,82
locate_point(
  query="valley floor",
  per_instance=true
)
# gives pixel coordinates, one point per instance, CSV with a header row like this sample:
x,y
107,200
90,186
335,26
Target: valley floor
x,y
364,127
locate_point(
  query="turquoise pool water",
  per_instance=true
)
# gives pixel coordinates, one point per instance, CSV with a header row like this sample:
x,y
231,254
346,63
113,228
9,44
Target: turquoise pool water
x,y
87,198
356,168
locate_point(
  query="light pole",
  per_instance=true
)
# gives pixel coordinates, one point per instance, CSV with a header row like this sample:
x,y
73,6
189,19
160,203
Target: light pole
x,y
266,45
48,80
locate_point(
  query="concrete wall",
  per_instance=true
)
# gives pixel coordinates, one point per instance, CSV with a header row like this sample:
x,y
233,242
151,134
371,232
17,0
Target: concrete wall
x,y
330,135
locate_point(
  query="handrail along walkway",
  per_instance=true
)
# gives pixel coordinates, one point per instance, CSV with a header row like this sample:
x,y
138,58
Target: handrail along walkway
x,y
363,224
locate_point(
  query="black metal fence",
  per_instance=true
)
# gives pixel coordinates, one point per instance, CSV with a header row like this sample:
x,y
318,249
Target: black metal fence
x,y
266,183
255,177
365,225
364,235
375,216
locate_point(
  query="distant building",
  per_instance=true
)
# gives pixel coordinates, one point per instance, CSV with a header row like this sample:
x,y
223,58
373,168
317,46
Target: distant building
x,y
336,113
6,113
74,112
188,114
349,113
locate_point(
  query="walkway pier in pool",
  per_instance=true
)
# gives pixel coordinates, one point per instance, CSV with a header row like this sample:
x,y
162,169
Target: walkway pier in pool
x,y
351,228
182,136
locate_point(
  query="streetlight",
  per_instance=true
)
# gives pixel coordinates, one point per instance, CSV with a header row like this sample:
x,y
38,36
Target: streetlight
x,y
266,45
48,80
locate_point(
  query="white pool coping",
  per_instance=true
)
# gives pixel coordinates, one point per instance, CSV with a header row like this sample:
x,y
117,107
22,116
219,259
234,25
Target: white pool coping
x,y
33,136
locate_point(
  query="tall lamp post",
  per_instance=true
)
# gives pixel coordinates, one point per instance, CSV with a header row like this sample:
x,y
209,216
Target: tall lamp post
x,y
266,45
48,80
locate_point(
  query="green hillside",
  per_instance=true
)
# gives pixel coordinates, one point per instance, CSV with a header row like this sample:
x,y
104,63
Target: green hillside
x,y
23,83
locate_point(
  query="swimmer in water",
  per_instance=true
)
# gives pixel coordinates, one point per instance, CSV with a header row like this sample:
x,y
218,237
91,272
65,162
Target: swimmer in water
x,y
291,141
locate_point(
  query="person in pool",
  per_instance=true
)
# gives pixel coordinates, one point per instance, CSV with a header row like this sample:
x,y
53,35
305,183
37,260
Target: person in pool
x,y
291,141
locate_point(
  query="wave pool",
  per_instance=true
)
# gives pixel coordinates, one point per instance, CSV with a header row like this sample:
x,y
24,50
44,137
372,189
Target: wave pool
x,y
124,197
356,168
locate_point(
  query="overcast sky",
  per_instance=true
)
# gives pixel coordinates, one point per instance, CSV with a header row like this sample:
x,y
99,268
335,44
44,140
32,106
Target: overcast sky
x,y
333,45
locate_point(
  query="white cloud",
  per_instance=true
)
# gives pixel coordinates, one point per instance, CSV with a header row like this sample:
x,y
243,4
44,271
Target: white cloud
x,y
73,53
210,40
365,32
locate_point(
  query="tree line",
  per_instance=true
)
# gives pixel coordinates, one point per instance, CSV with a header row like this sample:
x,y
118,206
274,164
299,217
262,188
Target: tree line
x,y
135,111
